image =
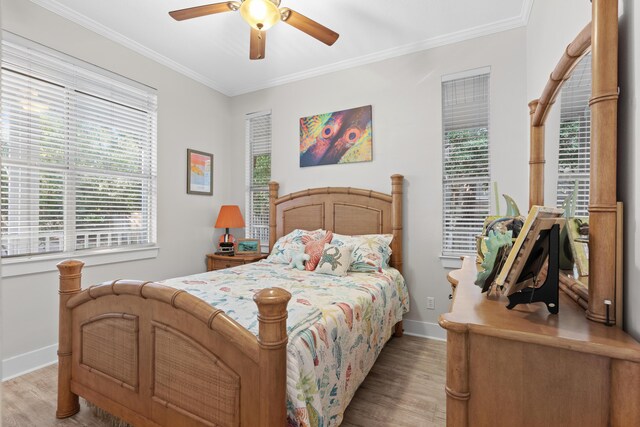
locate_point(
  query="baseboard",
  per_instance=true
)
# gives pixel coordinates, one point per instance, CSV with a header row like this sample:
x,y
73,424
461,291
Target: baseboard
x,y
424,329
27,362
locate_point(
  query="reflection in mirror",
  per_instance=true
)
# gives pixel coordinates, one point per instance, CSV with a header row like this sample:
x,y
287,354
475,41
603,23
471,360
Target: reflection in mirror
x,y
568,136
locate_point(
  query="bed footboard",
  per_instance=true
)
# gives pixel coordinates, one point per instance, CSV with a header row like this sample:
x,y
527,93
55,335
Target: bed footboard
x,y
157,356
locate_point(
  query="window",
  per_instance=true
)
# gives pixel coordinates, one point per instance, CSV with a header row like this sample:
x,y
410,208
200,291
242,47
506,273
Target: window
x,y
575,137
258,175
78,155
465,164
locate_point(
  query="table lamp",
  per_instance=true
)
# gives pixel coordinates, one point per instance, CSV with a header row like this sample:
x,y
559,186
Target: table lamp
x,y
228,217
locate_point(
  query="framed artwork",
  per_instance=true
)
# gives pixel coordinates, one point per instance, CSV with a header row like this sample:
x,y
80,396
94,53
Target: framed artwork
x,y
199,173
339,137
248,247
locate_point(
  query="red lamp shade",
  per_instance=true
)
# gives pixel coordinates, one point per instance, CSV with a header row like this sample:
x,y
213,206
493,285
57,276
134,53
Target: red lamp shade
x,y
229,217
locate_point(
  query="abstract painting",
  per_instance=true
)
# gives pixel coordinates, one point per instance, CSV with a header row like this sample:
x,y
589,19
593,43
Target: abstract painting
x,y
199,172
339,137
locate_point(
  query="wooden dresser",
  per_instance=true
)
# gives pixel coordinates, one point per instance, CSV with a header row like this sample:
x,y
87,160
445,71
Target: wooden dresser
x,y
527,367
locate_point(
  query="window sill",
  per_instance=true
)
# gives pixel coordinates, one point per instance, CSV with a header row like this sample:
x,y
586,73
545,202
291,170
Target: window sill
x,y
452,262
45,263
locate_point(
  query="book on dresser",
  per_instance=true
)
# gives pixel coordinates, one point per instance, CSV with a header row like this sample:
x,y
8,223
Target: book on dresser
x,y
539,218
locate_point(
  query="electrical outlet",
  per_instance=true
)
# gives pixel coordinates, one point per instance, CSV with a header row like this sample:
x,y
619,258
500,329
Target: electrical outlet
x,y
431,303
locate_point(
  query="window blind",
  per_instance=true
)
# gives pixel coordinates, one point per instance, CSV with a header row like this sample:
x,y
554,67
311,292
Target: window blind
x,y
78,155
258,175
575,137
465,164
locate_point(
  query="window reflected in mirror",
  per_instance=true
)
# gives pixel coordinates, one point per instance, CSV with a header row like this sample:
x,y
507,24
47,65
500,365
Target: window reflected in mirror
x,y
574,142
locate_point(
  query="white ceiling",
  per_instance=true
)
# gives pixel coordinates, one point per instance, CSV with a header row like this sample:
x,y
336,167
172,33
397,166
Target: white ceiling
x,y
215,49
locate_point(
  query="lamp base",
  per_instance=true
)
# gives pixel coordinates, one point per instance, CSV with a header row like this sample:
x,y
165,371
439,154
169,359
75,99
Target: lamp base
x,y
226,244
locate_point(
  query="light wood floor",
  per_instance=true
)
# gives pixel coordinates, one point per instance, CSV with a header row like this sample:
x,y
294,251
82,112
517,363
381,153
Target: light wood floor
x,y
404,388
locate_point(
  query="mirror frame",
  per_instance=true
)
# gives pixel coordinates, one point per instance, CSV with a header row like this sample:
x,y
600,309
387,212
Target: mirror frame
x,y
600,37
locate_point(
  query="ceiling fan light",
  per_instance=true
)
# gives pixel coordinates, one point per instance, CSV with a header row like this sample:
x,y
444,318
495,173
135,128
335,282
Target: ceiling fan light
x,y
260,14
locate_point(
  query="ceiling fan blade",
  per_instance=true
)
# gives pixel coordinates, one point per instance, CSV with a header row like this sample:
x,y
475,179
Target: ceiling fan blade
x,y
309,26
209,9
258,44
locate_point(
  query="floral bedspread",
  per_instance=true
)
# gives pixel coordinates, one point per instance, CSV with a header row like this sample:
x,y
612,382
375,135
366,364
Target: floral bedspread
x,y
337,326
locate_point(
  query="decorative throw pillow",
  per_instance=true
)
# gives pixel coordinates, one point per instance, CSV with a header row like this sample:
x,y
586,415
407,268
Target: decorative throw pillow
x,y
283,250
335,260
371,252
314,248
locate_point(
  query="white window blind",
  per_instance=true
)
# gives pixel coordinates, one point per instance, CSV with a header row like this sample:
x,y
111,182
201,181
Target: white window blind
x,y
78,154
465,165
575,137
258,175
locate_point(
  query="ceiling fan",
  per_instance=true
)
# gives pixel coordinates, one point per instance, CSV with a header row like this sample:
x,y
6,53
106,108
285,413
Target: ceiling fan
x,y
261,15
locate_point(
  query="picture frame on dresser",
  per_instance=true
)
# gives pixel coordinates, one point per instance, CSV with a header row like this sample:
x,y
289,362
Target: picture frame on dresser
x,y
248,247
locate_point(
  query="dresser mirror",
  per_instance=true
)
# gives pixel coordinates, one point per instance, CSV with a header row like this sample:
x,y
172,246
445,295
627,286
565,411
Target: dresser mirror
x,y
567,165
568,141
558,132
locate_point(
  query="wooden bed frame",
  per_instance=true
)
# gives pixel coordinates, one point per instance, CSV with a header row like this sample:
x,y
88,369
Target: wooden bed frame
x,y
153,355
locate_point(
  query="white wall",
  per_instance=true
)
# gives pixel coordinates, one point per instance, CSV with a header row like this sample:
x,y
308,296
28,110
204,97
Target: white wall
x,y
190,115
628,161
405,93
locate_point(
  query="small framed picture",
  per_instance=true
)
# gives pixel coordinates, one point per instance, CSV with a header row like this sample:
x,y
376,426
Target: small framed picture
x,y
199,173
248,247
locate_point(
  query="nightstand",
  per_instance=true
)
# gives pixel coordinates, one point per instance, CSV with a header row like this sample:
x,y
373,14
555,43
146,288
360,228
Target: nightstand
x,y
218,262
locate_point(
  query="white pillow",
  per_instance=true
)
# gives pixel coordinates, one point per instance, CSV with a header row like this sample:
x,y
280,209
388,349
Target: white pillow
x,y
335,260
287,245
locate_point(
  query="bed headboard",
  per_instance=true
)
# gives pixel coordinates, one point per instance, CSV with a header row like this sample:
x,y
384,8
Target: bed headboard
x,y
343,210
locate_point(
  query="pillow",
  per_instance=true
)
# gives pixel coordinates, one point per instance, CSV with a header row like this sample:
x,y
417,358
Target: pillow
x,y
371,252
335,260
314,248
283,250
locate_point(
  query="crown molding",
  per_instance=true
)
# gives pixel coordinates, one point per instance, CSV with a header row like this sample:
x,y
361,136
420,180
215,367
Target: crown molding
x,y
96,27
455,37
451,38
527,5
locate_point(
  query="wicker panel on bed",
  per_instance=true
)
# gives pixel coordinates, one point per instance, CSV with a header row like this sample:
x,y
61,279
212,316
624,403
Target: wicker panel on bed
x,y
307,217
355,219
110,347
193,381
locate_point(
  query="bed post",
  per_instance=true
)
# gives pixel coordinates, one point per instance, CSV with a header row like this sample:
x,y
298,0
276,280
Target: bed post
x,y
397,182
272,338
273,195
70,283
